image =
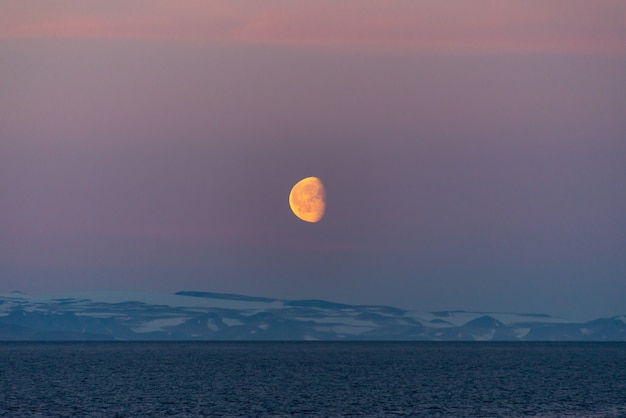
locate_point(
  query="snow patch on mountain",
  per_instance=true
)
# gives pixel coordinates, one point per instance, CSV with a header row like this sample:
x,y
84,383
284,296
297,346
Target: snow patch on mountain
x,y
158,324
232,322
521,332
210,324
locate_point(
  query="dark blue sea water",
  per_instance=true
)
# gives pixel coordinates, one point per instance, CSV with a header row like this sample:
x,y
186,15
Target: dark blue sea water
x,y
313,379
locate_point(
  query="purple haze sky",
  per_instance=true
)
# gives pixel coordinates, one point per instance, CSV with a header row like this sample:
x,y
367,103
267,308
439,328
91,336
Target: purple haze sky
x,y
474,153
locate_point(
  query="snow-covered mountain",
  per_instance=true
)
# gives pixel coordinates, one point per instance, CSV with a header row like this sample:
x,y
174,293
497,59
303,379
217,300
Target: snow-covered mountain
x,y
218,316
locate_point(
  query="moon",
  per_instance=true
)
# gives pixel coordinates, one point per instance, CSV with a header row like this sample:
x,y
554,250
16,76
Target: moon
x,y
307,199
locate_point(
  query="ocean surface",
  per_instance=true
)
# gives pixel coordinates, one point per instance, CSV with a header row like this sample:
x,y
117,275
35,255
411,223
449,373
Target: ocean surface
x,y
129,379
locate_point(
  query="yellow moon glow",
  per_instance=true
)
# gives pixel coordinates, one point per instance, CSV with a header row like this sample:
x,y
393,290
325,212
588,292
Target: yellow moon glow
x,y
308,199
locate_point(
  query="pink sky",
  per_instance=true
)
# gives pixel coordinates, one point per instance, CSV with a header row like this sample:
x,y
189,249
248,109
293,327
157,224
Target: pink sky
x,y
566,26
473,151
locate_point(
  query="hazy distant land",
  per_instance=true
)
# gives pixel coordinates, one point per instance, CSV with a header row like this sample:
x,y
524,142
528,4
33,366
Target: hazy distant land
x,y
217,316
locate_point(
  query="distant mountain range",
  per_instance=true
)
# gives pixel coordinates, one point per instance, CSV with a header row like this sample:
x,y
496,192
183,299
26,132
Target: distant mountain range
x,y
218,316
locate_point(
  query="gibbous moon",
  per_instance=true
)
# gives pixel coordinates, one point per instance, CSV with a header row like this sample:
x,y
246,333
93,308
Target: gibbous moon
x,y
308,199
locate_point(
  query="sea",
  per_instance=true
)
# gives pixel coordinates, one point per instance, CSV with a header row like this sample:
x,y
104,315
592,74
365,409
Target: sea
x,y
312,379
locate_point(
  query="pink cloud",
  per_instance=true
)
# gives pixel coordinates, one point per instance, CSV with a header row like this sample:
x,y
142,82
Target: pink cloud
x,y
573,26
434,26
156,20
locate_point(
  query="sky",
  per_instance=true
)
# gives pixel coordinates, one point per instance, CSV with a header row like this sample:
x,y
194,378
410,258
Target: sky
x,y
473,152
